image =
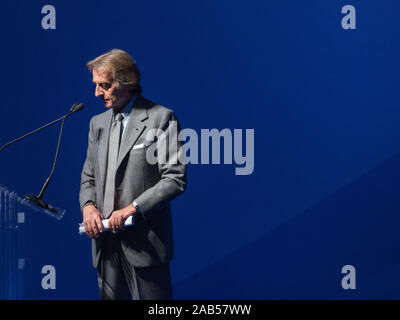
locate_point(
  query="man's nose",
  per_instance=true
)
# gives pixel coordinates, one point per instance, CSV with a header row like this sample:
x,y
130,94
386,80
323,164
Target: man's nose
x,y
98,92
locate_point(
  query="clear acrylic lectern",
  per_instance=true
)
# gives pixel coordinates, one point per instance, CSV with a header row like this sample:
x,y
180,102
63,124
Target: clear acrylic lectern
x,y
13,240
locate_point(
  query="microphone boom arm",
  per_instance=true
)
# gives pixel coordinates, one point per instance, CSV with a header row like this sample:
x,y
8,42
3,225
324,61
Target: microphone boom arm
x,y
32,132
75,108
38,199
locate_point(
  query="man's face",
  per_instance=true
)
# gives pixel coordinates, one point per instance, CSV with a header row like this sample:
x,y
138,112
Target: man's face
x,y
107,90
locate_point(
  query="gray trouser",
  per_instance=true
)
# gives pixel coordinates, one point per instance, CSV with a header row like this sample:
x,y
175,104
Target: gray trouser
x,y
120,280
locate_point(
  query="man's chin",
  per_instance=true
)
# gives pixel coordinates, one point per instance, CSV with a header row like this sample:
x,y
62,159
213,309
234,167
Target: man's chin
x,y
108,104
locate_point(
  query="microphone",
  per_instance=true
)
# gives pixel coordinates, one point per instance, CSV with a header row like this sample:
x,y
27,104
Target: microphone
x,y
76,107
38,199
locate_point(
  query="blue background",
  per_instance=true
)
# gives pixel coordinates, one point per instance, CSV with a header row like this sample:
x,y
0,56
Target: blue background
x,y
323,102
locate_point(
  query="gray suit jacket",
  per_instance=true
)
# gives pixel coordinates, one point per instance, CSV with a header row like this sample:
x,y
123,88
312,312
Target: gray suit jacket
x,y
152,186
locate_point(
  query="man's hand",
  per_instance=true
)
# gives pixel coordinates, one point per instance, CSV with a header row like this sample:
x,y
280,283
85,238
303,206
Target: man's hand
x,y
118,217
92,221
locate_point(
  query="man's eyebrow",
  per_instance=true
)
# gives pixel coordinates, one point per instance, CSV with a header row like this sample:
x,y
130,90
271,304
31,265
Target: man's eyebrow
x,y
103,82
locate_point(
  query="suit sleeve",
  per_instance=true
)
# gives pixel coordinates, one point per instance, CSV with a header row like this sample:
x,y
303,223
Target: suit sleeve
x,y
88,189
172,174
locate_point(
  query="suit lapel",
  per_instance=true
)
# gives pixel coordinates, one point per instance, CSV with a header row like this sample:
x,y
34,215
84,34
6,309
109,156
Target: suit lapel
x,y
134,128
103,139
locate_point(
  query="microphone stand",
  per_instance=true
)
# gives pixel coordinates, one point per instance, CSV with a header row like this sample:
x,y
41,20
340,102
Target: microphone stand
x,y
38,199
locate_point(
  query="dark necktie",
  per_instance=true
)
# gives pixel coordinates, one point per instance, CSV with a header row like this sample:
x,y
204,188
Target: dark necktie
x,y
113,149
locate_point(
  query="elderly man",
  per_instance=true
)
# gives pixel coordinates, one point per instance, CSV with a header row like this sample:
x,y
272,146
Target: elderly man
x,y
118,182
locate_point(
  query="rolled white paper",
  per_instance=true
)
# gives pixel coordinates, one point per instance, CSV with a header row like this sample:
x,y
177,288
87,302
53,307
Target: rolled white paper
x,y
128,222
